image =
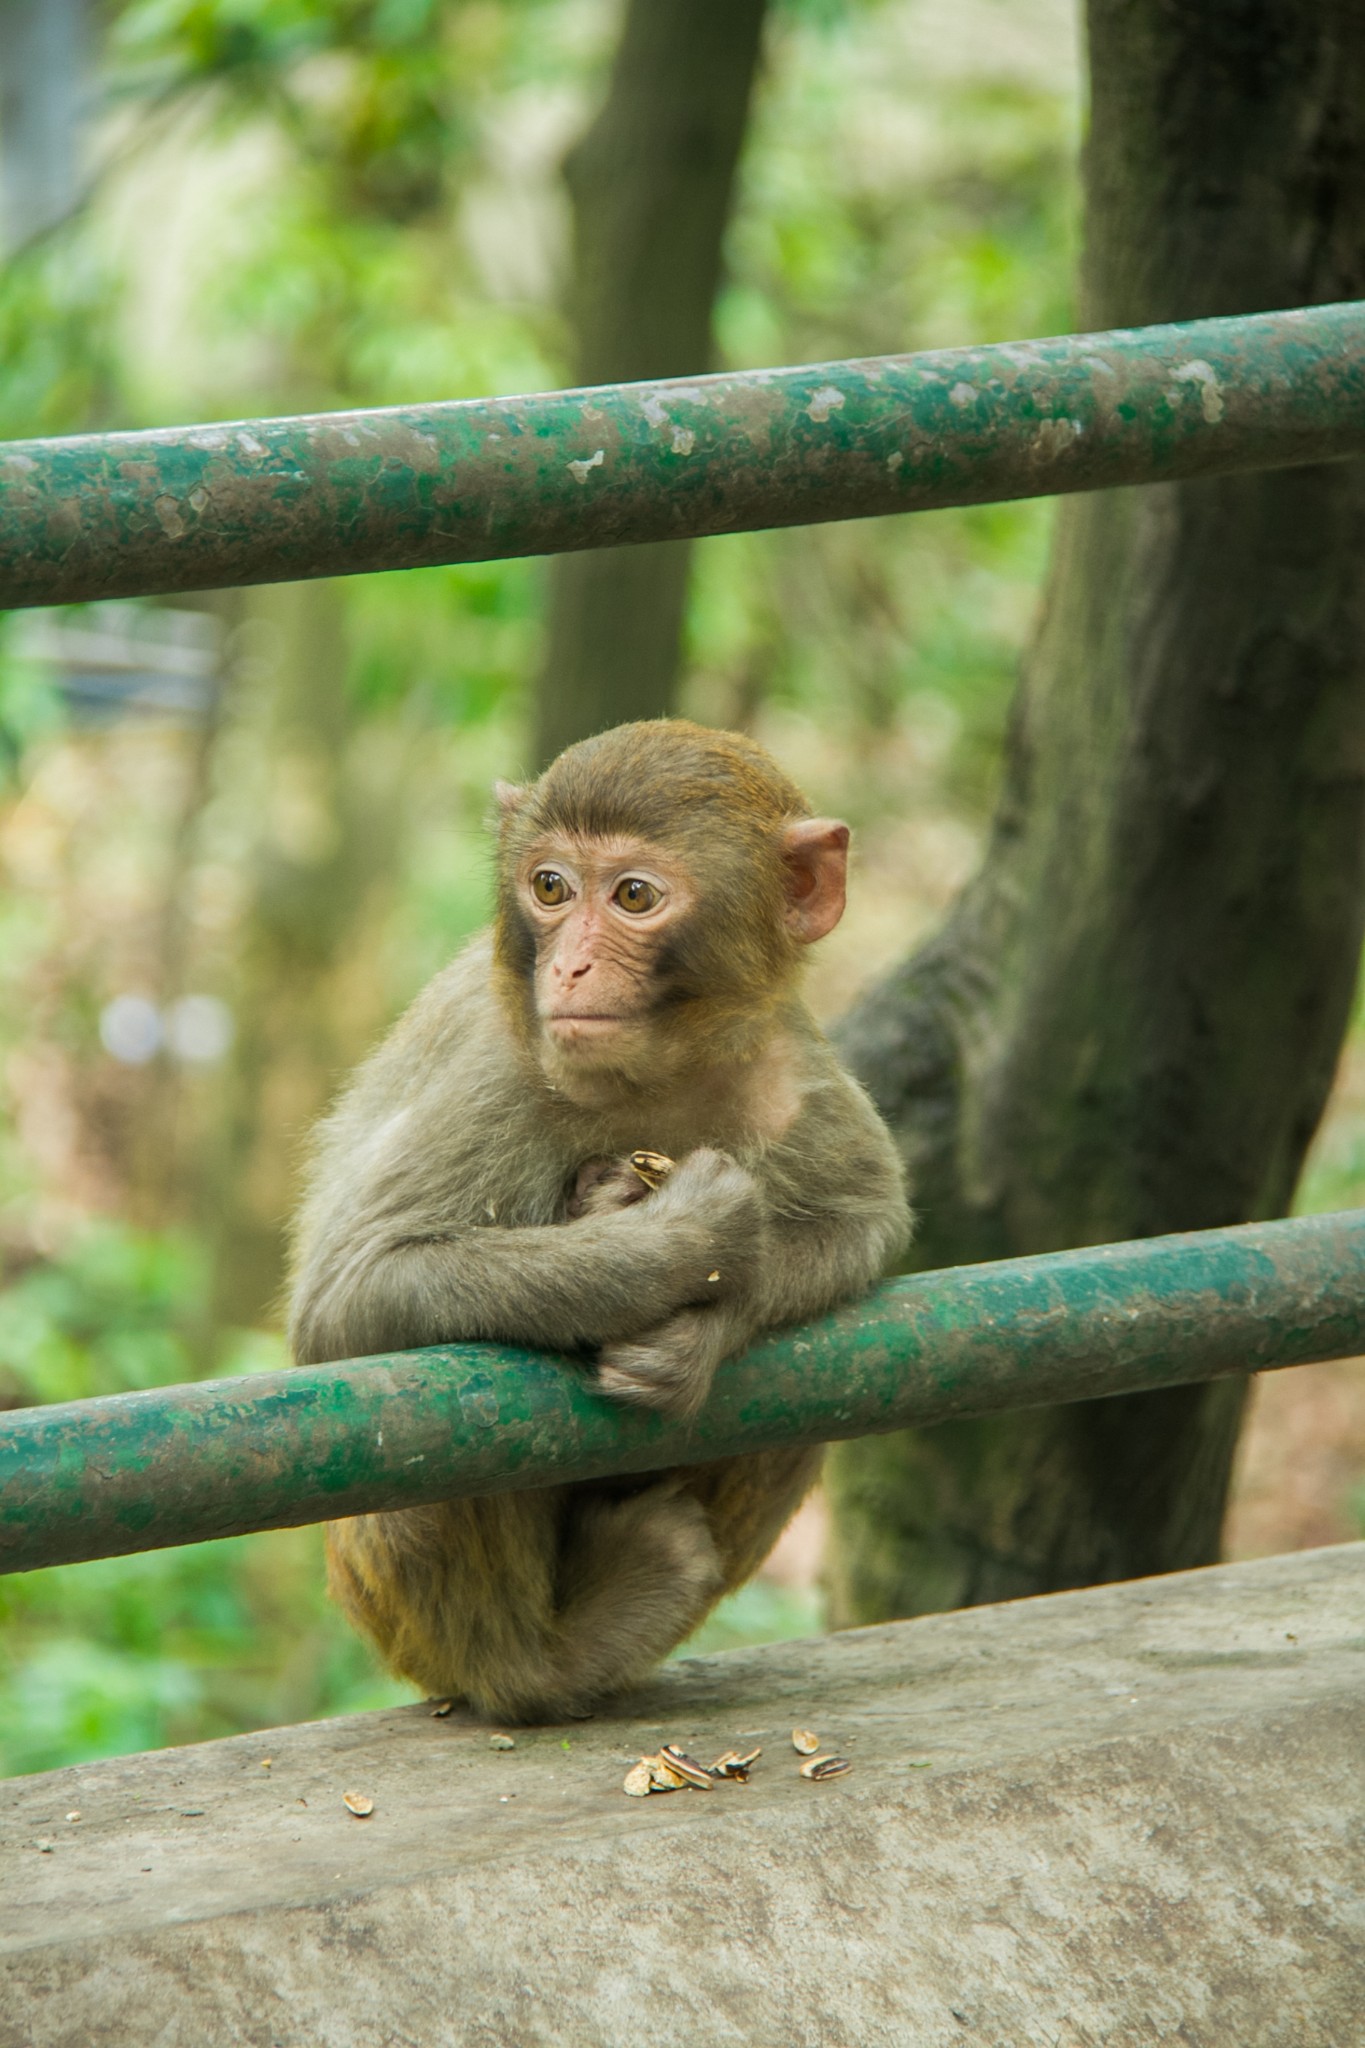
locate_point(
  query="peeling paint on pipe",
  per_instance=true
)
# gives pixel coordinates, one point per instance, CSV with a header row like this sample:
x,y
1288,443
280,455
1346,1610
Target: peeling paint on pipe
x,y
178,1465
265,501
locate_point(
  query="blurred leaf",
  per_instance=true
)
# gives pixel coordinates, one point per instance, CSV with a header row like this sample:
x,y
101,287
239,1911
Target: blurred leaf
x,y
761,1612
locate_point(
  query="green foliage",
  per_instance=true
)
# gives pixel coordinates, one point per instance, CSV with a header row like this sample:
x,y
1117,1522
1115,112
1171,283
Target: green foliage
x,y
760,1612
112,1316
384,127
176,1645
60,366
30,708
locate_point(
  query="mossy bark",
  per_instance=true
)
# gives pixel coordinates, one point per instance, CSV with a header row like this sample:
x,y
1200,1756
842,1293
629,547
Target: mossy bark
x,y
1130,1022
650,185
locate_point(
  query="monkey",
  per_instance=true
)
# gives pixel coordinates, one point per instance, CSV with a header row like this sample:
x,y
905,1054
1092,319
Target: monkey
x,y
638,992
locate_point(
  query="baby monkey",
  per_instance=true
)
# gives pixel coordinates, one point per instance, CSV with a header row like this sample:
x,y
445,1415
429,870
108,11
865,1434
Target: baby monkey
x,y
609,1127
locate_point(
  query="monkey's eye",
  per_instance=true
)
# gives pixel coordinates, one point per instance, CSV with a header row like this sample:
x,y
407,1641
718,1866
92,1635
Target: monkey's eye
x,y
636,895
549,887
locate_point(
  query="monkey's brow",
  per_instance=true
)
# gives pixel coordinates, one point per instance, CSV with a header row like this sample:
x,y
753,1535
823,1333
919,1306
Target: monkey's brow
x,y
605,849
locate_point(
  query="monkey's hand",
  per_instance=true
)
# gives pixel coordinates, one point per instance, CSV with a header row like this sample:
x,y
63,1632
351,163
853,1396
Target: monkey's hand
x,y
601,1185
671,1366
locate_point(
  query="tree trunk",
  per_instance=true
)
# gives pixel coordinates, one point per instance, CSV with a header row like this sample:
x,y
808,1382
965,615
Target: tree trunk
x,y
1131,1021
650,184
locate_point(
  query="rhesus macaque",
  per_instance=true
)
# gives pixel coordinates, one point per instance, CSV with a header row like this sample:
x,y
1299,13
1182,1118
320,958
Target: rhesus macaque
x,y
638,994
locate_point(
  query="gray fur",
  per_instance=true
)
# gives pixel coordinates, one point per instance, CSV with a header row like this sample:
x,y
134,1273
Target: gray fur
x,y
436,1212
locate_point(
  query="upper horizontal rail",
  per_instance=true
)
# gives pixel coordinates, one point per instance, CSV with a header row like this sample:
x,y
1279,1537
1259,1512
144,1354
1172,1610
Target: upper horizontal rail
x,y
266,501
140,1471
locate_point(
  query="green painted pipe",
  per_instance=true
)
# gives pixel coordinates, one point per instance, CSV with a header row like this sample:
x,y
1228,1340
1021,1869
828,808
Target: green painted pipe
x,y
140,1471
265,501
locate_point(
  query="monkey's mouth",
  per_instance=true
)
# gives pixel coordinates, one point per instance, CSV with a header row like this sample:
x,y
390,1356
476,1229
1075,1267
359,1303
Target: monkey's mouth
x,y
571,1024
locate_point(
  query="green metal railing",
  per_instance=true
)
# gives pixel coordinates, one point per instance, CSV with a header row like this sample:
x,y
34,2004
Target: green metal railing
x,y
139,1471
190,508
263,501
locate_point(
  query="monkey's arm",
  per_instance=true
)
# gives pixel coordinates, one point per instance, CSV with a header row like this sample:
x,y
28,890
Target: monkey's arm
x,y
394,1285
835,1210
834,1218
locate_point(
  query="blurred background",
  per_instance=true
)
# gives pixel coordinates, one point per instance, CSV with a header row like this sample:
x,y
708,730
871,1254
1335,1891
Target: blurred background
x,y
238,832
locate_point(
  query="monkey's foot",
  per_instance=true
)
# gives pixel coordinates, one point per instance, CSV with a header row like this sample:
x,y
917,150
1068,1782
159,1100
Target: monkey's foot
x,y
639,1574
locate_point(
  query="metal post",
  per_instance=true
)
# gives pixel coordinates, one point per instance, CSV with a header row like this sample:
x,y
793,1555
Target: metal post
x,y
264,501
140,1471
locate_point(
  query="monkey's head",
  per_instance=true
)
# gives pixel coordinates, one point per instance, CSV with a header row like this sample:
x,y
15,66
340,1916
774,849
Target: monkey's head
x,y
656,887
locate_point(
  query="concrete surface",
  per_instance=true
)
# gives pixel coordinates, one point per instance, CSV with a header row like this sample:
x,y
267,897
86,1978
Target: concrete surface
x,y
1138,1817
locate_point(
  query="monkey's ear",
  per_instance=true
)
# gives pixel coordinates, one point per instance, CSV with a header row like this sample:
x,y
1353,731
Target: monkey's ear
x,y
509,798
815,854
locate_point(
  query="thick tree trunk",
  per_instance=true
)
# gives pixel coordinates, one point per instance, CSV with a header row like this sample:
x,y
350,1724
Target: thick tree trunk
x,y
650,184
1131,1021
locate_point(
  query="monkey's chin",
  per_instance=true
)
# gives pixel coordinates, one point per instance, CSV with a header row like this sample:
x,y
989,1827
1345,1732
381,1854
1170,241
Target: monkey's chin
x,y
585,1056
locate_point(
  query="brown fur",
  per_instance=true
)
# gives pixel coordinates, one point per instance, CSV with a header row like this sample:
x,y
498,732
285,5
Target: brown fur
x,y
440,1205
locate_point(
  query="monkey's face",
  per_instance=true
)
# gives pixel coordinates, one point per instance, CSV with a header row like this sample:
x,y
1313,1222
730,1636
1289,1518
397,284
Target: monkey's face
x,y
605,917
656,888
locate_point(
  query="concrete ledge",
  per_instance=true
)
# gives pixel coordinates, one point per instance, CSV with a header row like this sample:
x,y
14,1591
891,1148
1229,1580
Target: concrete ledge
x,y
1142,1821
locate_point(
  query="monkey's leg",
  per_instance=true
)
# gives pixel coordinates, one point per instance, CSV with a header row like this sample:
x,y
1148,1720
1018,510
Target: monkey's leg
x,y
638,1576
749,1501
530,1606
450,1590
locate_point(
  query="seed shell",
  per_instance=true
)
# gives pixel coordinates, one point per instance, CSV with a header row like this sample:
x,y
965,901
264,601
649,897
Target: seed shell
x,y
652,1167
820,1767
733,1765
639,1781
804,1741
441,1709
501,1742
358,1803
686,1767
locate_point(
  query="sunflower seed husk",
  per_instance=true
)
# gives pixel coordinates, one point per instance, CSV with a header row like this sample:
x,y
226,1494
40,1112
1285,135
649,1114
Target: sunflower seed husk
x,y
826,1767
804,1741
733,1765
501,1742
662,1779
358,1803
686,1767
639,1782
441,1709
652,1167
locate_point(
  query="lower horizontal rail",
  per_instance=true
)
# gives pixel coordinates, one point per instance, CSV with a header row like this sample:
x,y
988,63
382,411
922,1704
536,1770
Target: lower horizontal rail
x,y
89,1479
264,501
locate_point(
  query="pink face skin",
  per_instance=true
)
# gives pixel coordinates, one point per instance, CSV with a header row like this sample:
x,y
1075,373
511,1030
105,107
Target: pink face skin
x,y
602,908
